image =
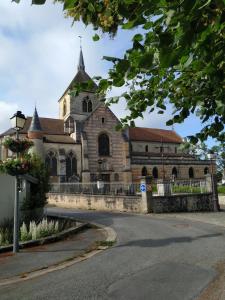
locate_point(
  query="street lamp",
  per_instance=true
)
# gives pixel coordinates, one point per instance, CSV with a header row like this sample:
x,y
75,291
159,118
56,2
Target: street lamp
x,y
212,157
18,121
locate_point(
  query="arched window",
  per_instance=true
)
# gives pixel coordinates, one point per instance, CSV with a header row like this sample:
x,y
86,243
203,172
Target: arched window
x,y
51,163
64,108
116,177
174,172
146,148
89,106
84,105
191,172
206,170
155,173
103,144
69,125
71,164
144,171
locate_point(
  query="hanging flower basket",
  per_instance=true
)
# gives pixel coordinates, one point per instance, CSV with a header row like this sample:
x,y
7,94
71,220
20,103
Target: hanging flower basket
x,y
15,166
17,146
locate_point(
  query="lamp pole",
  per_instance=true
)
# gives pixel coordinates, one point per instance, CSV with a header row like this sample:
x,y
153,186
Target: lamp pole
x,y
212,157
16,209
18,120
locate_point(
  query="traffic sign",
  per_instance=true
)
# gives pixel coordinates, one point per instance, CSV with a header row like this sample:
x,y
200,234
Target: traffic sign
x,y
143,187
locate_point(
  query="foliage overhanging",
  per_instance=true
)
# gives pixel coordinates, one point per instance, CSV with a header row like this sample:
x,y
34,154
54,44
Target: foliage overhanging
x,y
177,56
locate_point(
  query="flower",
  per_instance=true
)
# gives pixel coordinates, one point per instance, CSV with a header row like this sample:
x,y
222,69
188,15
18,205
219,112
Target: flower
x,y
17,146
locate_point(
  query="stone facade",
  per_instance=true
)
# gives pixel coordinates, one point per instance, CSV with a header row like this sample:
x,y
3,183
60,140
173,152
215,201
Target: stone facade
x,y
71,145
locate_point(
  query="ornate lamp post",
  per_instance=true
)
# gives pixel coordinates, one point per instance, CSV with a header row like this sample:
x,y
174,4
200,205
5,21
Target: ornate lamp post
x,y
17,121
212,157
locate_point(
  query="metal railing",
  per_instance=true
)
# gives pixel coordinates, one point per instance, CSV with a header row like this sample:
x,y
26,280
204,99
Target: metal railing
x,y
180,186
92,188
191,186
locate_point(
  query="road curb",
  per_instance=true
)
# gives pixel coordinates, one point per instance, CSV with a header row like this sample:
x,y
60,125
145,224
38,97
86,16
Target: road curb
x,y
111,237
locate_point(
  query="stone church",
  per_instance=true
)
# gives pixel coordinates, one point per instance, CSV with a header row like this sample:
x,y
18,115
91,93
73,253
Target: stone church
x,y
83,145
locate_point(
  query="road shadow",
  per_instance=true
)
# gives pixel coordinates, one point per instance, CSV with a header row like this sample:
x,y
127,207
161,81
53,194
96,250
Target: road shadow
x,y
155,243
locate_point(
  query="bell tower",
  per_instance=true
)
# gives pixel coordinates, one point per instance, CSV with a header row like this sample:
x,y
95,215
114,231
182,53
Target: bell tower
x,y
79,107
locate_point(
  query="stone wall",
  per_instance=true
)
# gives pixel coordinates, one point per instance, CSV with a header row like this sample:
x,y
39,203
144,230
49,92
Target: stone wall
x,y
98,202
222,199
181,203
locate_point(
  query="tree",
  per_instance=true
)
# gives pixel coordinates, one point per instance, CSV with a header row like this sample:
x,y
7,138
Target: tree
x,y
177,56
201,150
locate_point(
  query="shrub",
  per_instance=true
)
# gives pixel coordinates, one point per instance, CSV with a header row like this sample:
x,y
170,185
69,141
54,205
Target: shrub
x,y
6,232
40,230
37,199
221,189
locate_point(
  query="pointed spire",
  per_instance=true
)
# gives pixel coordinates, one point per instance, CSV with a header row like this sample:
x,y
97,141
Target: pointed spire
x,y
81,66
35,122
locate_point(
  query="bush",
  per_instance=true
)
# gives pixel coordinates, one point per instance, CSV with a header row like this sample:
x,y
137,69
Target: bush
x,y
221,189
6,232
32,207
40,230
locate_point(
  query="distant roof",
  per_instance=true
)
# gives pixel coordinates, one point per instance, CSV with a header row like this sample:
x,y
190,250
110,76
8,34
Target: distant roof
x,y
48,125
154,135
64,139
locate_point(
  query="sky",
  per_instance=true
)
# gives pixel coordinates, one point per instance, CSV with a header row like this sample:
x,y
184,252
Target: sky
x,y
38,59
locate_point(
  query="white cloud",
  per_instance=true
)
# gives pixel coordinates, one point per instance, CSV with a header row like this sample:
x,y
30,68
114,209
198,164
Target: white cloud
x,y
6,112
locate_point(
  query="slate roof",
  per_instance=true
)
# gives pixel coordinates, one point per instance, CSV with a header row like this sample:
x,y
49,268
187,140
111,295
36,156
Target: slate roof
x,y
154,135
35,123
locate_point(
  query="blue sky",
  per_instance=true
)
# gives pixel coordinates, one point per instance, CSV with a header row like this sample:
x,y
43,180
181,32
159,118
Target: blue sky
x,y
38,59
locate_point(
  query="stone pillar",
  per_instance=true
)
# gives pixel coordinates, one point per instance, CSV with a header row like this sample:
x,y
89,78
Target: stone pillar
x,y
211,187
146,194
164,188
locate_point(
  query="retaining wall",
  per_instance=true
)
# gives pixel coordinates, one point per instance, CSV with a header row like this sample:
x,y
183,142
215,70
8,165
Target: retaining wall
x,y
98,202
222,199
181,203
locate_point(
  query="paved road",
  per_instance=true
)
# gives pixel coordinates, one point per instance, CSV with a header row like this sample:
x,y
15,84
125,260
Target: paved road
x,y
155,258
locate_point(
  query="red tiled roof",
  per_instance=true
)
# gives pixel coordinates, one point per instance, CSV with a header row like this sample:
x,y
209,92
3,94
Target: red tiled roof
x,y
48,125
154,135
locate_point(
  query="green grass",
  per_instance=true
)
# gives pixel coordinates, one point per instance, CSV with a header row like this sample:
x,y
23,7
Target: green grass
x,y
221,189
186,189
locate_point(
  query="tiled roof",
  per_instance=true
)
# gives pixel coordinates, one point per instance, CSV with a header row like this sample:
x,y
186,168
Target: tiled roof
x,y
60,139
154,135
48,125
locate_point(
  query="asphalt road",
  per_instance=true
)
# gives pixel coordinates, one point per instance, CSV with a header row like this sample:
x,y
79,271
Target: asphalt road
x,y
154,258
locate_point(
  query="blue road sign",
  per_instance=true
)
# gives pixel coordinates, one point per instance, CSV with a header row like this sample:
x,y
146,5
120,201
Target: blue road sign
x,y
143,187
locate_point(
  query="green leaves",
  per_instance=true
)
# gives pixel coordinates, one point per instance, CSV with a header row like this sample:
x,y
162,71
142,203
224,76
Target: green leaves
x,y
96,37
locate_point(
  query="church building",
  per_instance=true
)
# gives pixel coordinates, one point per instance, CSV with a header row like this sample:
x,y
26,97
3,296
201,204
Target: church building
x,y
83,145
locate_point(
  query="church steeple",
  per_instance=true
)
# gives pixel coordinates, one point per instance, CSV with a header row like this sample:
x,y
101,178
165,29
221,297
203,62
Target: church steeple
x,y
81,66
35,123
